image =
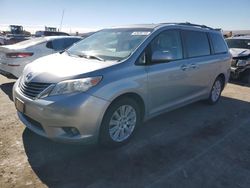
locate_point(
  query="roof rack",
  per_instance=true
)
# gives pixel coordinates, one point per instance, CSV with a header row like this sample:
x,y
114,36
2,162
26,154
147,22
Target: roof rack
x,y
196,25
190,24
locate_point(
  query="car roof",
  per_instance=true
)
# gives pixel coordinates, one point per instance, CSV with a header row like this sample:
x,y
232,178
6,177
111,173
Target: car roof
x,y
142,26
153,26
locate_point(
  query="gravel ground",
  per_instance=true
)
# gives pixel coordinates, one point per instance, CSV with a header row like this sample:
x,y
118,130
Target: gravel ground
x,y
194,146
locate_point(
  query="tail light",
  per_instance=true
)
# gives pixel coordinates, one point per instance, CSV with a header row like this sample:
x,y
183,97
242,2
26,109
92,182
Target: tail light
x,y
19,54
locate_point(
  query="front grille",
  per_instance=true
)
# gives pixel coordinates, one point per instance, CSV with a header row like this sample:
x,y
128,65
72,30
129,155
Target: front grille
x,y
33,89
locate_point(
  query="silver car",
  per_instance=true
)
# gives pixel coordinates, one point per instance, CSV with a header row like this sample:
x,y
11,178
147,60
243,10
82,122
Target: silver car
x,y
102,88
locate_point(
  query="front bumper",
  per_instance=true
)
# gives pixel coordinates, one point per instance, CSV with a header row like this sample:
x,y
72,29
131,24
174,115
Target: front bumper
x,y
237,71
49,117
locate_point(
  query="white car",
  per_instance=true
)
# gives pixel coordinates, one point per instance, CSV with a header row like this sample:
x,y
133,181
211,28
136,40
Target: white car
x,y
13,58
240,50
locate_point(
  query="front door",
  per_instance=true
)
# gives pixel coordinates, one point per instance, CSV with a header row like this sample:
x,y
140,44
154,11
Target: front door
x,y
169,79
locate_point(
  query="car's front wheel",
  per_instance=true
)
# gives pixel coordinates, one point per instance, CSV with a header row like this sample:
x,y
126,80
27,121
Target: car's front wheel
x,y
120,122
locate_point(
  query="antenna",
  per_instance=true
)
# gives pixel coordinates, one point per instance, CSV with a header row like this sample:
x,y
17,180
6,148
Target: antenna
x,y
61,20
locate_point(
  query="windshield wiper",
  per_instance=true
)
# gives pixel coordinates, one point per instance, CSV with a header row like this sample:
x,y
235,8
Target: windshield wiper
x,y
91,57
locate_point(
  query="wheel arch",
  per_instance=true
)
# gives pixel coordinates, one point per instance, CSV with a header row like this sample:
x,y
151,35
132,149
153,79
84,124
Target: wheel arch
x,y
133,96
223,78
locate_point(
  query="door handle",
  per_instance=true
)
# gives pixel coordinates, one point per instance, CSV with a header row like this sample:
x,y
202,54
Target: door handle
x,y
184,67
193,66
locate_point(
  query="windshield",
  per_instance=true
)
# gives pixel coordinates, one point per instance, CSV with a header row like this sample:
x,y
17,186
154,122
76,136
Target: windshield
x,y
238,43
110,44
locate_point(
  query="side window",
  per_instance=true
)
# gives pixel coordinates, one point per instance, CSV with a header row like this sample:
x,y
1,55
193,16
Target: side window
x,y
49,45
218,42
167,46
58,44
196,43
69,42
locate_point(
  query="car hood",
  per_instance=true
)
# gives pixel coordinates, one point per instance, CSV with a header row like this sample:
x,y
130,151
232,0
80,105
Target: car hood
x,y
239,52
58,67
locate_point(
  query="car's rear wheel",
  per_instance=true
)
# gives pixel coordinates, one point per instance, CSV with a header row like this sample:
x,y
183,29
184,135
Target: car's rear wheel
x,y
120,122
216,90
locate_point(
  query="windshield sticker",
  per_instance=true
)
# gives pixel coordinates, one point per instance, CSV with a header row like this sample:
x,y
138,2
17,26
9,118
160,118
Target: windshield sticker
x,y
141,33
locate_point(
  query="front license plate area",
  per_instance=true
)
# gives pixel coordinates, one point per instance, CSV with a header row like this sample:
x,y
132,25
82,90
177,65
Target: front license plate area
x,y
19,105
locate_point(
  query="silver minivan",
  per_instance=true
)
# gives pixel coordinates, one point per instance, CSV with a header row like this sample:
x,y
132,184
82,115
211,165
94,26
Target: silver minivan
x,y
103,87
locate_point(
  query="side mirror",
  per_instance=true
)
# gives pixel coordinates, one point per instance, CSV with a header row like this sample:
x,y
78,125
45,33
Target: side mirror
x,y
161,56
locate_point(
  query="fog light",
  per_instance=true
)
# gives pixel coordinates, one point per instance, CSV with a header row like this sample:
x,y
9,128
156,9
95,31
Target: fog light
x,y
71,131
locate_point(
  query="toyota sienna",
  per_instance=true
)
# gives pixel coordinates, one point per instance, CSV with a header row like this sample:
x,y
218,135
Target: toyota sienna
x,y
103,87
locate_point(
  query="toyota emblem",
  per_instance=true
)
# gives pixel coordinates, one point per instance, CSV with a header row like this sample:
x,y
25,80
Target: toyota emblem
x,y
28,77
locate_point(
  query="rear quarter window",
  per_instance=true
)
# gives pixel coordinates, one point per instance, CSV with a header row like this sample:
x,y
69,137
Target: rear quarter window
x,y
196,43
62,44
218,43
49,45
58,44
70,41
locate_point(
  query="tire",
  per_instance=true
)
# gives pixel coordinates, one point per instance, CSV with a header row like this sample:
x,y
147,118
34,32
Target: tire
x,y
216,90
122,127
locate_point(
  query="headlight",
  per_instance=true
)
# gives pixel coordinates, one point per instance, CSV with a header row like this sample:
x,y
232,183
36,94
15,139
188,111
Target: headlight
x,y
72,86
242,63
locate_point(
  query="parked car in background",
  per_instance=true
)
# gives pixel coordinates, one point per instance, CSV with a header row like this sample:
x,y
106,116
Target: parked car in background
x,y
50,33
14,35
240,50
13,39
13,58
2,39
103,87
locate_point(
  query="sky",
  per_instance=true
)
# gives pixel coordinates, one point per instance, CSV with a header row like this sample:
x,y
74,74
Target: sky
x,y
84,15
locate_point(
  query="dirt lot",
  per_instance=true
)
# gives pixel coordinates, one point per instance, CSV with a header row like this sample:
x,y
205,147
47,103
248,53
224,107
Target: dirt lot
x,y
195,146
